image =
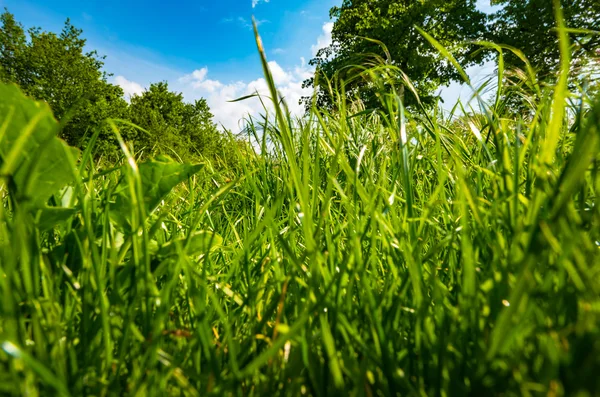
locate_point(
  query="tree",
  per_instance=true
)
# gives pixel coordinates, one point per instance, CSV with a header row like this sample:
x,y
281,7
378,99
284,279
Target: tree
x,y
159,112
173,125
56,69
529,25
199,130
12,47
392,22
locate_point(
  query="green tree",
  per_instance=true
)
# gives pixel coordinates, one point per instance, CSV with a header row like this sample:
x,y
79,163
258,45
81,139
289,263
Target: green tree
x,y
158,111
12,47
172,125
57,69
392,22
529,25
199,130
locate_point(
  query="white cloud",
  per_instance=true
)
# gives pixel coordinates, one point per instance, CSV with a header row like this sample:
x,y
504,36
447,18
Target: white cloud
x,y
280,76
199,81
288,82
324,40
230,114
255,2
219,93
130,88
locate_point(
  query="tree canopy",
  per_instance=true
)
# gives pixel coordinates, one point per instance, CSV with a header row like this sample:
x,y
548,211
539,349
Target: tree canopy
x,y
528,25
58,69
394,22
172,125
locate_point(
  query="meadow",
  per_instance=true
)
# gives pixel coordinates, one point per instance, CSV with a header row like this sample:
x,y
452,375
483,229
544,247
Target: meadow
x,y
365,252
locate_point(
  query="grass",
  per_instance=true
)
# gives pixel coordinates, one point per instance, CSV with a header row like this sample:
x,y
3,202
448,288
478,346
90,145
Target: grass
x,y
358,253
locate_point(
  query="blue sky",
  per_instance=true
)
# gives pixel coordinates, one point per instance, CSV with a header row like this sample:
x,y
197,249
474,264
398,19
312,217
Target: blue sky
x,y
203,48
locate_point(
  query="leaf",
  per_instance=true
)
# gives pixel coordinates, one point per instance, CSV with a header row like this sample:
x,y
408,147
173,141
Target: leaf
x,y
158,178
243,98
561,91
21,117
48,217
330,349
587,146
38,163
48,173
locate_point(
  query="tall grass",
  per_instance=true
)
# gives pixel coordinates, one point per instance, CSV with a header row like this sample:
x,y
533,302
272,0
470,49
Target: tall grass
x,y
381,252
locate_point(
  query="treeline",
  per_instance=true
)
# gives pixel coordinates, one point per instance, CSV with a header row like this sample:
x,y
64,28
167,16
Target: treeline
x,y
368,33
56,68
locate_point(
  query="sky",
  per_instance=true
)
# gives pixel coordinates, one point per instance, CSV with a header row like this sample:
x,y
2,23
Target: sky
x,y
203,48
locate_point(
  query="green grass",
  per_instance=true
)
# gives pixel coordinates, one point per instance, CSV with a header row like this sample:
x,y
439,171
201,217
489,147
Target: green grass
x,y
374,253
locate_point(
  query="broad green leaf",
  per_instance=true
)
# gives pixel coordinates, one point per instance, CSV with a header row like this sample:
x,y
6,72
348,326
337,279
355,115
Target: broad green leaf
x,y
330,349
585,149
162,175
561,90
48,217
23,118
158,178
48,173
38,163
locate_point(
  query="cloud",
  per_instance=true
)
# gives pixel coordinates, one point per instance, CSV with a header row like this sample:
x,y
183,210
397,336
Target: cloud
x,y
230,114
255,2
324,40
130,88
200,83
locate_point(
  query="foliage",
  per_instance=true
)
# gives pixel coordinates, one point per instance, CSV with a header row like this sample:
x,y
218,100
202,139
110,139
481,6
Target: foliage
x,y
58,70
35,162
367,33
529,25
157,178
365,252
393,23
171,125
12,45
